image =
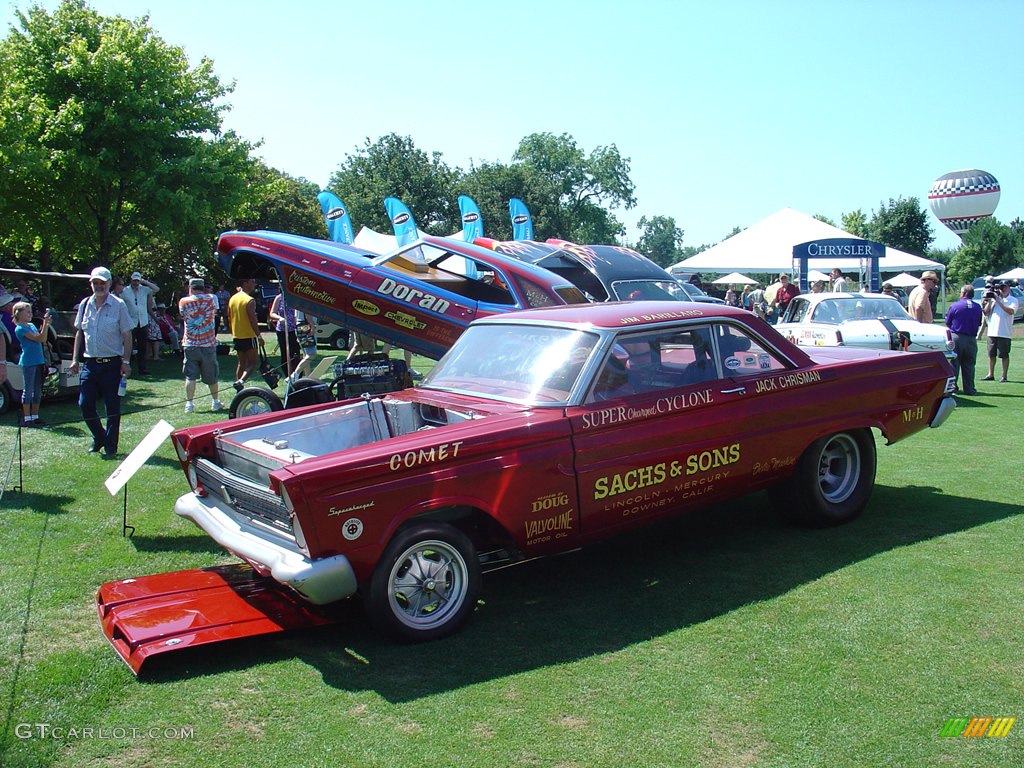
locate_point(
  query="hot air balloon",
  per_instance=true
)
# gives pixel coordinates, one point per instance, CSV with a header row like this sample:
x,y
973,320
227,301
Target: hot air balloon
x,y
961,198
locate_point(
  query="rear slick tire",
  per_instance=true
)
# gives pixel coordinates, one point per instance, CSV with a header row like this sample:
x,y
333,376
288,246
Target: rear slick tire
x,y
832,482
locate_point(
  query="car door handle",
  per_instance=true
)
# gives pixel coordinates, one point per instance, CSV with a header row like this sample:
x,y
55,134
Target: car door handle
x,y
733,391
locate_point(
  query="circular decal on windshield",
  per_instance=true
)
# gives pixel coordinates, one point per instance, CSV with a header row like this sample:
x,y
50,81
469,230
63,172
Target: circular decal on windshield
x,y
732,363
352,529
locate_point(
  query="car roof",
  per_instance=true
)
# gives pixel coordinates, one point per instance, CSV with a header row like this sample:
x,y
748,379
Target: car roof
x,y
609,263
816,297
622,314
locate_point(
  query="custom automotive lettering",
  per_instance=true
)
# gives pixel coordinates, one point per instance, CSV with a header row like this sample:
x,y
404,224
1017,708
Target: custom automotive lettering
x,y
786,381
413,296
435,453
304,285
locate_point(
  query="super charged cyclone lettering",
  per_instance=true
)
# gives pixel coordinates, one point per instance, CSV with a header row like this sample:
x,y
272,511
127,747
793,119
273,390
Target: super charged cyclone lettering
x,y
661,406
413,296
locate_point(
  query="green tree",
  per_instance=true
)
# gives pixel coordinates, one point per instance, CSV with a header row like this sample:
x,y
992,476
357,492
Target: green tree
x,y
110,141
277,201
569,190
902,224
856,223
492,185
660,240
822,217
988,248
392,166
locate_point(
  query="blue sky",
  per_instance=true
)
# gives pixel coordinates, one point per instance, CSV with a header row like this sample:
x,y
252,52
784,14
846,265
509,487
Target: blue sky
x,y
727,110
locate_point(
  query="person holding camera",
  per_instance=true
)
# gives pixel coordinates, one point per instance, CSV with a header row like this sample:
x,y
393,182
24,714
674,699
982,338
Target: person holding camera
x,y
999,308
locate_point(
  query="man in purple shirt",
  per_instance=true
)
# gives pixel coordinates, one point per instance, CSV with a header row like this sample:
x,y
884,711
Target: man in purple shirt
x,y
963,320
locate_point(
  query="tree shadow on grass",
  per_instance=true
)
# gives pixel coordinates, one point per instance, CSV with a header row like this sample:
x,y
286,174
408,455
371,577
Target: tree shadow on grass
x,y
606,597
45,503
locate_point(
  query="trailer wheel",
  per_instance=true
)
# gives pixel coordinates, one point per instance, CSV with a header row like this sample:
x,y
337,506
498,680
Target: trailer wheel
x,y
253,401
6,397
338,340
832,481
426,583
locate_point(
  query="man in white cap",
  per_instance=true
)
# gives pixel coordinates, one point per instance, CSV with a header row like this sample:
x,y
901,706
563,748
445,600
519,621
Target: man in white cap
x,y
105,337
138,295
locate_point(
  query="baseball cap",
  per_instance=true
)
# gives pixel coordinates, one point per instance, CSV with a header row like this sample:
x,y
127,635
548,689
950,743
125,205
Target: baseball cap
x,y
136,276
5,299
102,273
197,282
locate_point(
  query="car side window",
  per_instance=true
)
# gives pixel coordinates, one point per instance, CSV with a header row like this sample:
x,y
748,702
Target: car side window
x,y
742,354
651,362
799,311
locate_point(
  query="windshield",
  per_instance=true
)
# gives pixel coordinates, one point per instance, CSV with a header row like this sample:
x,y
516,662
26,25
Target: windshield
x,y
516,363
644,290
843,310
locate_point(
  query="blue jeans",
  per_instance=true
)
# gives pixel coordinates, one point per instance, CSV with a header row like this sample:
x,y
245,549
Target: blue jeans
x,y
101,380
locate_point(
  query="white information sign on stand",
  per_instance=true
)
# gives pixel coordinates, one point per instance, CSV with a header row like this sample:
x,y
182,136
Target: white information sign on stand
x,y
134,460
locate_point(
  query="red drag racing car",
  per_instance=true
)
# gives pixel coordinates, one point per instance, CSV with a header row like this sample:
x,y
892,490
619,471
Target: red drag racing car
x,y
538,432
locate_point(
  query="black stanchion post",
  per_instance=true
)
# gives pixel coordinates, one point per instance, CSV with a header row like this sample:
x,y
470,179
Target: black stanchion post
x,y
124,517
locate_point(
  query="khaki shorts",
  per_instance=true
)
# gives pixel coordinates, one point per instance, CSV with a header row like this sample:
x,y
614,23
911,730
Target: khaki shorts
x,y
200,363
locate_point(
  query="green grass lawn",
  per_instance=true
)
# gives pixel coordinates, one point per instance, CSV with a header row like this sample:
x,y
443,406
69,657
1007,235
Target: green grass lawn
x,y
725,638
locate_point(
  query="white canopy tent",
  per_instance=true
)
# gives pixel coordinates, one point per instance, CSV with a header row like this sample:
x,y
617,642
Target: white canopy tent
x,y
767,246
903,280
1016,273
734,278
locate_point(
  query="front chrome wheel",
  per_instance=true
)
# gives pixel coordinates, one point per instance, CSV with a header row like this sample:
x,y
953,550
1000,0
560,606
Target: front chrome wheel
x,y
428,584
425,584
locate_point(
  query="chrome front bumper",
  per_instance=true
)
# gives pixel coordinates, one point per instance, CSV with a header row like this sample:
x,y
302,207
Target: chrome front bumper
x,y
318,581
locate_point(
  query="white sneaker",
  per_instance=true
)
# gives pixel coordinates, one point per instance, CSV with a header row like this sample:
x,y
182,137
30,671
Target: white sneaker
x,y
189,406
216,405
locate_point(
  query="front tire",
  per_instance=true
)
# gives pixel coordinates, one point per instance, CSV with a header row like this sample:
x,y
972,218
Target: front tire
x,y
832,481
426,583
253,401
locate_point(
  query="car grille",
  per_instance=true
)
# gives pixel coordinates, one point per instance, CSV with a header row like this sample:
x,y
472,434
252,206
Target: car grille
x,y
247,499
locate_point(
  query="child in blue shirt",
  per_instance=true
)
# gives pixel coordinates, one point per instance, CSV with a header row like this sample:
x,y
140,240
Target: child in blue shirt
x,y
32,362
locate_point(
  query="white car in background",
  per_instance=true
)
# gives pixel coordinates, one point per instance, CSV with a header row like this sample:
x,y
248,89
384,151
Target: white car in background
x,y
864,320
